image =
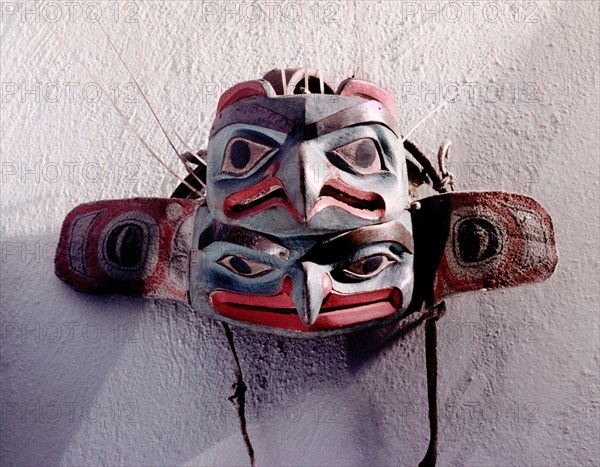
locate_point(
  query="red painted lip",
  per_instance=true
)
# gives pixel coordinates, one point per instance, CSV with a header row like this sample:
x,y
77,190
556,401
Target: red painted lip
x,y
279,310
266,194
336,193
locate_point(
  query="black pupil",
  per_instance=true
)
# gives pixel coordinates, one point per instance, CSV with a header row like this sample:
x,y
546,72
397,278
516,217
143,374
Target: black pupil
x,y
240,265
124,245
478,240
240,154
371,264
365,154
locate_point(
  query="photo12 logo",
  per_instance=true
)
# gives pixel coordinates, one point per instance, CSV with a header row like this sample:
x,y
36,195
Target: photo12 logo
x,y
508,412
68,91
75,172
315,413
69,12
518,92
69,332
50,412
270,11
470,11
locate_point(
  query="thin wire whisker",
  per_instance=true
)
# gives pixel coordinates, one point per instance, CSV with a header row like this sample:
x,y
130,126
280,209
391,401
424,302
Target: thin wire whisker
x,y
360,40
189,169
124,117
455,93
187,146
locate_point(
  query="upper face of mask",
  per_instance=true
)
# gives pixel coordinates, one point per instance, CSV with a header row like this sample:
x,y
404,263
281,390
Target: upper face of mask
x,y
305,164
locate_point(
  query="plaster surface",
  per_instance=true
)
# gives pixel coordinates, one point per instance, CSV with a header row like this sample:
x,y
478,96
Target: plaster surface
x,y
116,381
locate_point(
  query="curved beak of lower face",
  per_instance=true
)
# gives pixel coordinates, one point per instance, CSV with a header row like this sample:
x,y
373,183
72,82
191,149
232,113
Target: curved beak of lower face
x,y
311,285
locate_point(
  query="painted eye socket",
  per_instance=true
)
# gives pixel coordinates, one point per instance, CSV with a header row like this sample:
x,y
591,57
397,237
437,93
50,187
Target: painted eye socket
x,y
368,267
244,266
242,154
362,155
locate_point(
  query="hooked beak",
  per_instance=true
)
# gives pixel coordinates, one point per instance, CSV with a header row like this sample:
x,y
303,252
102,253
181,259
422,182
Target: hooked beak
x,y
300,177
311,286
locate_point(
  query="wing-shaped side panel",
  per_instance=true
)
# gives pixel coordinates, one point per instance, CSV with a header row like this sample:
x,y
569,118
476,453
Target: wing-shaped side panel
x,y
481,240
136,247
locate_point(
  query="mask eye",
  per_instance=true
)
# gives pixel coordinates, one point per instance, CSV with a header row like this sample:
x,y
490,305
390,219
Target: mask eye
x,y
362,156
242,154
244,267
368,267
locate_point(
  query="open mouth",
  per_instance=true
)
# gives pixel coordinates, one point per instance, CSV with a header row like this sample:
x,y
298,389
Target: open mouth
x,y
264,195
270,193
279,310
336,193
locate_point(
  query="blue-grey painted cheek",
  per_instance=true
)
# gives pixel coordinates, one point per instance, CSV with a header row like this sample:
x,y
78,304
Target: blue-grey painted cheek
x,y
213,276
398,275
220,185
391,183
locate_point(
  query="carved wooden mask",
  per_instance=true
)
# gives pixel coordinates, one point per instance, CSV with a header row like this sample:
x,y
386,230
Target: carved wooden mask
x,y
308,227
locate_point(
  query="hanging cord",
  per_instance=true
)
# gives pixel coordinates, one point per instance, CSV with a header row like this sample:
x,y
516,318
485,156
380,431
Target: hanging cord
x,y
238,393
431,317
422,159
446,183
238,388
442,182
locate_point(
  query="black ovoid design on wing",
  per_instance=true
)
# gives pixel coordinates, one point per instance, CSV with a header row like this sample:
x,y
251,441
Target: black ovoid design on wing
x,y
478,240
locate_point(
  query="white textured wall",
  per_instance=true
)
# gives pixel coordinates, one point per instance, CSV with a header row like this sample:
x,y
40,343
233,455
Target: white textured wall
x,y
88,380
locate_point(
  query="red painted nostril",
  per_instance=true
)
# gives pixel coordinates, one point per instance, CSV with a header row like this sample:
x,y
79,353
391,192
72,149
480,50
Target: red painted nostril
x,y
272,169
396,299
286,286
